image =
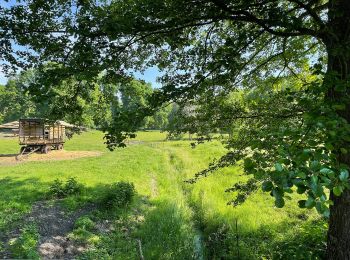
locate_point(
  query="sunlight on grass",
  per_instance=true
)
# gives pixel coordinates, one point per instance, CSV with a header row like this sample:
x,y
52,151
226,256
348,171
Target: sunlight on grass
x,y
174,212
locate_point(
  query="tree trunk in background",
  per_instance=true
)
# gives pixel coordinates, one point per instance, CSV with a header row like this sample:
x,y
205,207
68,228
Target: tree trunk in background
x,y
337,42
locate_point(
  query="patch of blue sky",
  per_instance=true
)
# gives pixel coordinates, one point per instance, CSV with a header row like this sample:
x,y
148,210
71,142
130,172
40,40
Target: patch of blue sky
x,y
150,75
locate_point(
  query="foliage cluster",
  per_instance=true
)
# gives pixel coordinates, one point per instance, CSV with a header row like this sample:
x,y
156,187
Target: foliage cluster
x,y
118,194
60,190
92,109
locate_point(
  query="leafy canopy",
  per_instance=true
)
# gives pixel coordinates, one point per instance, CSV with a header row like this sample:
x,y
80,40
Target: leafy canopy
x,y
270,54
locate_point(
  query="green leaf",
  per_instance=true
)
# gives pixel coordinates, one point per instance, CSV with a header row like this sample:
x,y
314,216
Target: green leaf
x,y
277,193
279,203
314,179
306,151
298,182
329,202
310,203
301,175
315,165
285,161
329,146
249,164
288,190
267,186
301,203
278,167
326,181
326,171
344,175
326,213
337,190
287,197
301,189
319,207
319,190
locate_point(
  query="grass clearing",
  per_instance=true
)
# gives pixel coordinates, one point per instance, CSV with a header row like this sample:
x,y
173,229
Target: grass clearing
x,y
170,218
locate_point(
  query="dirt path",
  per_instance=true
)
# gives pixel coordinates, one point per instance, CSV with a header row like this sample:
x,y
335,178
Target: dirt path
x,y
54,224
10,159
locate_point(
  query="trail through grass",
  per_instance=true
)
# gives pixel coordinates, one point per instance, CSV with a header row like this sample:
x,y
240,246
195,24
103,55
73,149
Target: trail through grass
x,y
172,219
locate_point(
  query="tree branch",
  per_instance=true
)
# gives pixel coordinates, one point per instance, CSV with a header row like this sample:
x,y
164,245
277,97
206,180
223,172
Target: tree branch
x,y
310,11
243,15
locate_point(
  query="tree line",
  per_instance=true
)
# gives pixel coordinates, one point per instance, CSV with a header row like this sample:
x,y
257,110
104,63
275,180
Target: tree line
x,y
17,102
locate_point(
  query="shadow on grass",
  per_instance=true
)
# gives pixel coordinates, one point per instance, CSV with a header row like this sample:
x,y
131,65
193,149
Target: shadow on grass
x,y
285,240
165,229
288,240
26,191
16,198
8,155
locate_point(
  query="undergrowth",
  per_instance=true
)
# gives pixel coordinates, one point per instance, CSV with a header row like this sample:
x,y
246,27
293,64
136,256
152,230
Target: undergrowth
x,y
25,245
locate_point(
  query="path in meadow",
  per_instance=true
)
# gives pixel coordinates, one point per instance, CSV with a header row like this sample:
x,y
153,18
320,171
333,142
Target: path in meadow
x,y
53,224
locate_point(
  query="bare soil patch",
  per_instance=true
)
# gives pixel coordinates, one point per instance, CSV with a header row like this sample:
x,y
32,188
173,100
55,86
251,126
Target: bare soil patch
x,y
54,225
8,159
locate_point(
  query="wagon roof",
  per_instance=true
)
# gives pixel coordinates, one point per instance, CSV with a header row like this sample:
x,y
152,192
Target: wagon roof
x,y
10,125
66,124
15,124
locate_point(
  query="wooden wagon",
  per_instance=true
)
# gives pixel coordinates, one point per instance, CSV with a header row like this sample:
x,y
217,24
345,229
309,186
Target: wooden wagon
x,y
40,135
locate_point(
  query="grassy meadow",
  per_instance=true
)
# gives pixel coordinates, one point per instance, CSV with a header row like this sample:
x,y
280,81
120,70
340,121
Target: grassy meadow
x,y
168,218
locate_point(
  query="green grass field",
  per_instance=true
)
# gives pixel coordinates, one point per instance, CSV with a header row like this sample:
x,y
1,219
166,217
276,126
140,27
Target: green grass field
x,y
169,218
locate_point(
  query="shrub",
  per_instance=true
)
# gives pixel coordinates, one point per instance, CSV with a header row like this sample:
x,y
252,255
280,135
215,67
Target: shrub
x,y
59,190
118,194
56,189
72,186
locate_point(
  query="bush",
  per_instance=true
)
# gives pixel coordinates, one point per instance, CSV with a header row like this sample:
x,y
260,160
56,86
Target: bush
x,y
56,189
59,190
119,194
72,186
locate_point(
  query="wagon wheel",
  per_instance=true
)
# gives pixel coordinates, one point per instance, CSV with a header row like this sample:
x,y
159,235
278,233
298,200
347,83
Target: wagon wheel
x,y
22,149
21,152
46,149
60,147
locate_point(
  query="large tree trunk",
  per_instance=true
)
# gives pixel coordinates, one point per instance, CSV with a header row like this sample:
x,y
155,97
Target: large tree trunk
x,y
338,241
337,42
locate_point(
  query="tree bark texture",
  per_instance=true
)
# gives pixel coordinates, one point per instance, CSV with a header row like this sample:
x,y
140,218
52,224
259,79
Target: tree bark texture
x,y
337,41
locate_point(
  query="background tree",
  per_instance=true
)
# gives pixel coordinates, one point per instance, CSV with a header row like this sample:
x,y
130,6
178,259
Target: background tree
x,y
14,101
217,46
160,120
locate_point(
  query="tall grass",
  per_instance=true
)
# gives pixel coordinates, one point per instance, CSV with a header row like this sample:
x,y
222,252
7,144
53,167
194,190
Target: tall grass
x,y
172,219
